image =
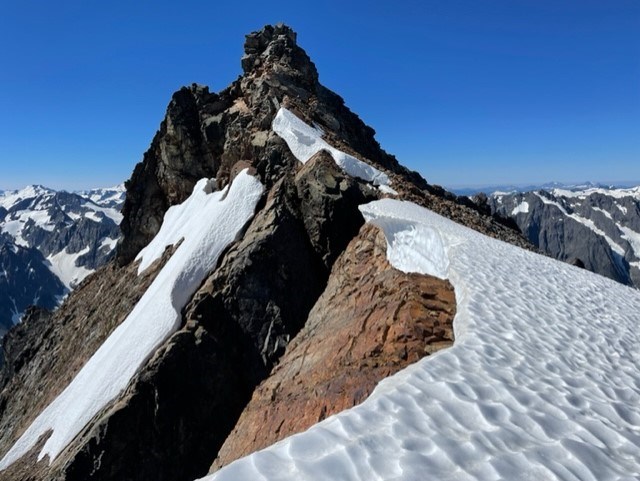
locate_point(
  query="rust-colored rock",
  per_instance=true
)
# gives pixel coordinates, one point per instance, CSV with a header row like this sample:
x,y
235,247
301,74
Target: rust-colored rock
x,y
371,321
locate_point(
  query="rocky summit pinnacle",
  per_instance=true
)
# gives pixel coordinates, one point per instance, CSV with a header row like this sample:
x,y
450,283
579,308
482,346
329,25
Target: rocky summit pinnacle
x,y
304,278
273,47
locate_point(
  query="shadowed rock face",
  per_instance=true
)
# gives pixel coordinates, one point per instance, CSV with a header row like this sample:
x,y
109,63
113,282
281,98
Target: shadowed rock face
x,y
178,410
371,321
591,231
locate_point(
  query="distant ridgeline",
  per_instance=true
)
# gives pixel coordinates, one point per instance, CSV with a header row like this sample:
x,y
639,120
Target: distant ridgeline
x,y
597,228
50,241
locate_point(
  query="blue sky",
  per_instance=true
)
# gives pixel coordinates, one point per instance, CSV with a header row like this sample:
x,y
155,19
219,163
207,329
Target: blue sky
x,y
466,92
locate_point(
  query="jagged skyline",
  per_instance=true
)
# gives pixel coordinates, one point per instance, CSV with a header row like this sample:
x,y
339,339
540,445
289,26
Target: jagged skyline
x,y
464,93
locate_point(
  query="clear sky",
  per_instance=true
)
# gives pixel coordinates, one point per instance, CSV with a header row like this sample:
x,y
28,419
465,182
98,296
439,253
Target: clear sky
x,y
467,92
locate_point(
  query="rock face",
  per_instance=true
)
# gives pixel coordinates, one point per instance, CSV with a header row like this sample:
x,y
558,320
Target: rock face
x,y
289,281
24,279
596,228
371,321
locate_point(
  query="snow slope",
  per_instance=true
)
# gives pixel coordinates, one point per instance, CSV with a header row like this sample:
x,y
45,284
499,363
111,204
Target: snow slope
x,y
542,383
212,224
65,267
305,141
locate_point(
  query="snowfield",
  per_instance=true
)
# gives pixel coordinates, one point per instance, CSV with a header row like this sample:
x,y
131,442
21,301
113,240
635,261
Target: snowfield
x,y
211,222
306,141
542,383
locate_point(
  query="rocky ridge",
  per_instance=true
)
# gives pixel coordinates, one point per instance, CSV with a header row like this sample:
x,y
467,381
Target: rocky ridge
x,y
302,260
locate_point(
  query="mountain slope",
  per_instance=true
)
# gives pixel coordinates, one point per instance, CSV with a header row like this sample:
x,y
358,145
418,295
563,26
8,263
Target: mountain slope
x,y
24,280
597,227
237,309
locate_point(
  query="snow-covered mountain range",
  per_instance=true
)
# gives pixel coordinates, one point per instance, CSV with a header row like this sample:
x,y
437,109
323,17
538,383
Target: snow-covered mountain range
x,y
597,227
50,241
548,186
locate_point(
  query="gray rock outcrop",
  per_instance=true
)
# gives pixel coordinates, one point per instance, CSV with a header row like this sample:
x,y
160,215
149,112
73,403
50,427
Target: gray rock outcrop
x,y
597,228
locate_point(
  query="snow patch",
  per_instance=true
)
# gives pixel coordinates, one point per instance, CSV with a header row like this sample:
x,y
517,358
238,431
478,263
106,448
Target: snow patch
x,y
385,189
305,141
109,243
213,225
522,207
622,208
178,222
633,238
65,267
92,216
604,212
541,382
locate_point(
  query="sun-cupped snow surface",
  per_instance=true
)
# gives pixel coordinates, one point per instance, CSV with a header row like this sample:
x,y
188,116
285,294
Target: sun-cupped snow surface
x,y
542,383
305,141
212,225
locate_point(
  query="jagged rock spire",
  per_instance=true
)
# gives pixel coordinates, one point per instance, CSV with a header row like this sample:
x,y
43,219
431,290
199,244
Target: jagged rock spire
x,y
275,48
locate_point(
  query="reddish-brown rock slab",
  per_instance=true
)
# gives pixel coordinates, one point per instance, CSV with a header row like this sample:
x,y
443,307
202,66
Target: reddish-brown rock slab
x,y
371,321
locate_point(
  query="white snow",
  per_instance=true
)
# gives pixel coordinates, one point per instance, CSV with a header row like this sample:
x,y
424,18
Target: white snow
x,y
9,198
385,189
213,224
109,243
64,266
105,196
15,222
501,193
522,207
91,215
542,383
622,208
112,214
305,141
602,211
178,222
615,193
633,238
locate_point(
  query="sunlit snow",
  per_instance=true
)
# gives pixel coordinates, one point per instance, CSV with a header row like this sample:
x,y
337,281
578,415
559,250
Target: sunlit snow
x,y
616,193
522,207
542,382
64,266
212,225
305,141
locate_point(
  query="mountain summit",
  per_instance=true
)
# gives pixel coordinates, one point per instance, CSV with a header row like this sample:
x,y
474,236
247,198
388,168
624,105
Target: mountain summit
x,y
249,299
